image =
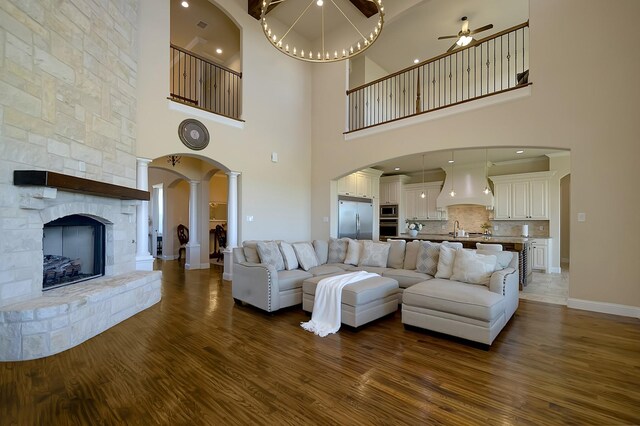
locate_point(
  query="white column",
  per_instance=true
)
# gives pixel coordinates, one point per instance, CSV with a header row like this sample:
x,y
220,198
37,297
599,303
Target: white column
x,y
193,246
144,260
232,224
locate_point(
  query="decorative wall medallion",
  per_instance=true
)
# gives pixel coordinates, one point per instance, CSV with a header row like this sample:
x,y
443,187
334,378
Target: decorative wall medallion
x,y
193,134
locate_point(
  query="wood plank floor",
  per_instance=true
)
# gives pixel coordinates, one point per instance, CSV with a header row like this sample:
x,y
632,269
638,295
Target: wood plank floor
x,y
196,358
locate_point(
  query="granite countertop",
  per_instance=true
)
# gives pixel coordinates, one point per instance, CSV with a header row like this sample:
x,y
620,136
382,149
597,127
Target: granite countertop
x,y
478,239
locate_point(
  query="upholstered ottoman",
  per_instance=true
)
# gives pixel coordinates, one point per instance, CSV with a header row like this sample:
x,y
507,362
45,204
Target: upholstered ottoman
x,y
362,302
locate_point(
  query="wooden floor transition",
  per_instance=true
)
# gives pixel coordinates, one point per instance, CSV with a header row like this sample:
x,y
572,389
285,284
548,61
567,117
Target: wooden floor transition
x,y
196,358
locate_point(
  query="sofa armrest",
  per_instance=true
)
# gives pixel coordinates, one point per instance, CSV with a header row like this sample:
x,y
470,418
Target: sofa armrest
x,y
498,282
256,284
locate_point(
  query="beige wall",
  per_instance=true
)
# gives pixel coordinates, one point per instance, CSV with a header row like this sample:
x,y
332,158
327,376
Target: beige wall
x,y
277,114
573,105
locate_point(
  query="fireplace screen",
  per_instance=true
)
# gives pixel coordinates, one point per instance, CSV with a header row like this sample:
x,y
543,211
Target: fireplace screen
x,y
73,248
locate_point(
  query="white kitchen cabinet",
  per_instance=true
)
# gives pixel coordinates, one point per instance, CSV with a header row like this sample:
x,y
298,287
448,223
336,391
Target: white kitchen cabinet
x,y
347,185
364,185
418,208
521,197
391,189
540,254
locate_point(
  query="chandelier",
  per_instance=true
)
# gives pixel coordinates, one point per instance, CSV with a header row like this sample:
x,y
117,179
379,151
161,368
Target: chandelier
x,y
319,51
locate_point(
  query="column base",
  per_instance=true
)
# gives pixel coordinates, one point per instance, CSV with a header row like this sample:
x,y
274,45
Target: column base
x,y
192,260
228,265
144,262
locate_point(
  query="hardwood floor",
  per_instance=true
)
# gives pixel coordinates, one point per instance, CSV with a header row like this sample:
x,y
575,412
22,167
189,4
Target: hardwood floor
x,y
196,358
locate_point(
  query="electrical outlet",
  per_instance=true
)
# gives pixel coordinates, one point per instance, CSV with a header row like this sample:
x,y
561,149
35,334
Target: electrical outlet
x,y
443,227
325,219
582,217
249,218
496,227
540,228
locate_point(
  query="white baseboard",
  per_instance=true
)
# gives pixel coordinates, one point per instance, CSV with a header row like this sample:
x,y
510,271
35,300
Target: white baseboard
x,y
227,276
604,307
555,270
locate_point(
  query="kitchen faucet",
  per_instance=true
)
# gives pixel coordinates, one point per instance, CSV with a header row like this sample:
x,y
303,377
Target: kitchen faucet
x,y
455,224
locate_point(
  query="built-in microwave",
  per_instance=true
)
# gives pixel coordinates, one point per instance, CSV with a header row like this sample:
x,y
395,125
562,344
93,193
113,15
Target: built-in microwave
x,y
389,211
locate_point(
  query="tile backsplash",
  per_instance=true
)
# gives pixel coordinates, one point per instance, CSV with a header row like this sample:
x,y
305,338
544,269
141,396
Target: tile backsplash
x,y
471,217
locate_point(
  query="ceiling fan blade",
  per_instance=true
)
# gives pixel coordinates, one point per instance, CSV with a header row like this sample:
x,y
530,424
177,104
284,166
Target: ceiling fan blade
x,y
446,37
453,46
479,30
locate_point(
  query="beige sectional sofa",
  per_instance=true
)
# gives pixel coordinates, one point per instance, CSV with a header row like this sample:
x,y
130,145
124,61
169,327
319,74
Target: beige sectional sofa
x,y
472,299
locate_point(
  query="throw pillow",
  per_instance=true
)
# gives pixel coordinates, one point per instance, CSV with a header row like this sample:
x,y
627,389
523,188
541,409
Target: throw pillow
x,y
396,253
337,250
322,250
374,254
503,258
428,256
411,255
473,268
270,254
445,262
306,255
250,251
354,250
289,256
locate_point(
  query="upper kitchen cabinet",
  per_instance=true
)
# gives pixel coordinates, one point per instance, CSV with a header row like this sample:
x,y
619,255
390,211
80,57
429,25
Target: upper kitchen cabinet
x,y
522,196
364,183
418,208
391,189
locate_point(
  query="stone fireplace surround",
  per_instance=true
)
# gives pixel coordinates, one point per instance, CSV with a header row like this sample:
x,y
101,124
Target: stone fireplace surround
x,y
35,324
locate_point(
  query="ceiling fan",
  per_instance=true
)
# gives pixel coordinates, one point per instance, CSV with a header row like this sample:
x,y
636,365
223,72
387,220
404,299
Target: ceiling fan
x,y
464,36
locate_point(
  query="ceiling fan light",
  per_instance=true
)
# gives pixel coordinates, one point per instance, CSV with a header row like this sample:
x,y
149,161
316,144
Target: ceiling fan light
x,y
464,41
486,190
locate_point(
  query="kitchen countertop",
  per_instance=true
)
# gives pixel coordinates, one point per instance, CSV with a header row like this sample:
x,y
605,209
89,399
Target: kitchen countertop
x,y
478,239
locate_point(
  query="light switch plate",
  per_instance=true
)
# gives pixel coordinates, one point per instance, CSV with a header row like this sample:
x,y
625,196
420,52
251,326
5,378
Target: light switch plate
x,y
582,217
249,218
325,219
274,157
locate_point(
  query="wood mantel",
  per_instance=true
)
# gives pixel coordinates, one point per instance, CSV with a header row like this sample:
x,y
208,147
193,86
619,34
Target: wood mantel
x,y
76,184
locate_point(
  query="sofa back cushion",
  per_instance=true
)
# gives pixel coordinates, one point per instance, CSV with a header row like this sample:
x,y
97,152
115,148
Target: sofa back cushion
x,y
411,255
250,250
374,254
445,261
429,255
270,254
354,251
473,268
503,257
396,253
306,255
337,250
322,250
288,255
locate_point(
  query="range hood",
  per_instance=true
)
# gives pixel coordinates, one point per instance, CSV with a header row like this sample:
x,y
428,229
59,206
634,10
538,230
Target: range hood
x,y
468,182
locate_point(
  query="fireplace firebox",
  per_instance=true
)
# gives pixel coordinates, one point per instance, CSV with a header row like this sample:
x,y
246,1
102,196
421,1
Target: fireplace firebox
x,y
74,251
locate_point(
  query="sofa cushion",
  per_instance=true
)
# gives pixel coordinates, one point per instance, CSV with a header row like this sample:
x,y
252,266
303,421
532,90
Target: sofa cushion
x,y
358,293
251,251
306,255
445,262
325,270
288,255
454,297
322,250
492,247
406,278
374,254
471,267
428,256
503,258
354,251
411,255
288,280
373,269
396,253
270,254
337,250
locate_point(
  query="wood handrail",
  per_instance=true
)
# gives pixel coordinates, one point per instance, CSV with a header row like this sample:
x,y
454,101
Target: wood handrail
x,y
208,61
436,58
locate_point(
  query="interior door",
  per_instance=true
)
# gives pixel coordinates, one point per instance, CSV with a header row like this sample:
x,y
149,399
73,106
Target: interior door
x,y
155,232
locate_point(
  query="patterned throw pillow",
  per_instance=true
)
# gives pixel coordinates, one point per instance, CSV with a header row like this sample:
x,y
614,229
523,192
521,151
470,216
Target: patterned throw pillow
x,y
270,254
322,250
473,268
337,250
428,256
374,254
445,262
354,251
306,255
289,256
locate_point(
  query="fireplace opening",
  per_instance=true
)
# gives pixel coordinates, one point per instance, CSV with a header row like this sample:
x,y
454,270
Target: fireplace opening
x,y
73,248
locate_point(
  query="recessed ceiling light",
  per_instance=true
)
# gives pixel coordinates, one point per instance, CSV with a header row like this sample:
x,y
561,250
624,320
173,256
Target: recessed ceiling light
x,y
396,168
185,4
218,51
451,161
415,61
520,151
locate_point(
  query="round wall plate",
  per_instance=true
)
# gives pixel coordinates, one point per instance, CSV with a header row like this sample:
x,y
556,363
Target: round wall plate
x,y
193,134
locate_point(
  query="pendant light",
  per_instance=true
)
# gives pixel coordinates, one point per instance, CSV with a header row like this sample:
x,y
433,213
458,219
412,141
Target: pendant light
x,y
452,193
423,195
486,174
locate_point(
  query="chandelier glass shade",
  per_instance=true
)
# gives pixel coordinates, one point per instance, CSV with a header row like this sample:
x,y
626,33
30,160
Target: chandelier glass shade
x,y
321,50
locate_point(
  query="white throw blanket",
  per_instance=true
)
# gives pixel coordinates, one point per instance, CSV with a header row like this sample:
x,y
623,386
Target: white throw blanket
x,y
327,307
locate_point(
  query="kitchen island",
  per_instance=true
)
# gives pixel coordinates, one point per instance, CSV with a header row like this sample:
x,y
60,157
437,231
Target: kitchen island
x,y
521,245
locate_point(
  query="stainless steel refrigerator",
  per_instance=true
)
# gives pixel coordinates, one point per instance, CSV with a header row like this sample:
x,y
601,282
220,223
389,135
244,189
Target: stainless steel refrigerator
x,y
355,219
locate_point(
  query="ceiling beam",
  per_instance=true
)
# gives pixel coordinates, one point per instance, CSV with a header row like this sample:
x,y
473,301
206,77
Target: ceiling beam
x,y
367,7
254,8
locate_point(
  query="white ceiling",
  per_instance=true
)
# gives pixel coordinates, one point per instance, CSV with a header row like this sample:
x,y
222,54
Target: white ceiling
x,y
440,159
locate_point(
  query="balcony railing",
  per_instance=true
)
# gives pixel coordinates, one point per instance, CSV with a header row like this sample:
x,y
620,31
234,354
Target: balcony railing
x,y
200,83
491,65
